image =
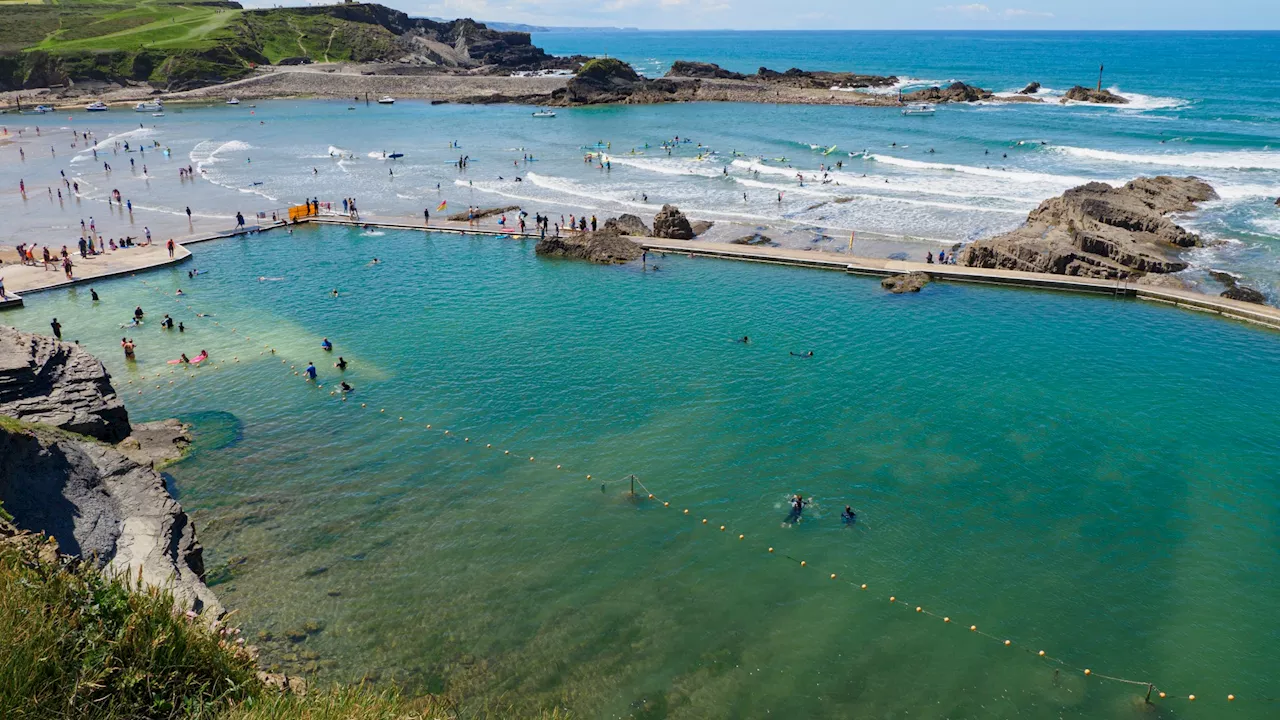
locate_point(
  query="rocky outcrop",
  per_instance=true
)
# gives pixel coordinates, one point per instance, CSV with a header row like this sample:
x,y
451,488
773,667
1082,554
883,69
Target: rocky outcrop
x,y
609,80
955,92
1236,291
1030,89
101,506
821,80
910,282
60,474
605,246
1096,230
157,443
690,69
1079,93
627,225
58,384
672,224
756,238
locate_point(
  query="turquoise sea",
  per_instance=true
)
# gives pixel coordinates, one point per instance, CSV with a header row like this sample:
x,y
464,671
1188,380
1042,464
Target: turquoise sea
x,y
1091,477
1087,476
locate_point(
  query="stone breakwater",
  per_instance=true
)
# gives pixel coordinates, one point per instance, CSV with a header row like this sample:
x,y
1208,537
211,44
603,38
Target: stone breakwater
x,y
74,468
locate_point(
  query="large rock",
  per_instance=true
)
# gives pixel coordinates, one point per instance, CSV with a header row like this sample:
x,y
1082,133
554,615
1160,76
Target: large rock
x,y
103,507
955,92
1030,89
56,383
1079,93
910,282
627,225
604,246
1096,230
1236,291
672,224
690,69
157,444
609,80
821,79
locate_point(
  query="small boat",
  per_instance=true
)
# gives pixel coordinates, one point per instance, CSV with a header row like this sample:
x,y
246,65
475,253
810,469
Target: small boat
x,y
42,109
160,114
922,110
544,113
233,101
386,100
156,106
98,106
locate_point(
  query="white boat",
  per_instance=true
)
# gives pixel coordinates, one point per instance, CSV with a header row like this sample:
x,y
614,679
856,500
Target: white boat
x,y
157,114
386,100
98,106
544,113
922,110
233,101
156,106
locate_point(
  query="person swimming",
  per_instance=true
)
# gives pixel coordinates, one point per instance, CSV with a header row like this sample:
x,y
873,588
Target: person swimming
x,y
802,355
137,312
797,508
326,345
341,364
346,388
744,340
184,359
333,292
849,516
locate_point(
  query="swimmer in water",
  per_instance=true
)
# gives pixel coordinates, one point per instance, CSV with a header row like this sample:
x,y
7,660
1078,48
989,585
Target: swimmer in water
x,y
803,355
797,508
744,340
333,293
848,516
346,388
326,345
341,364
184,359
374,261
311,372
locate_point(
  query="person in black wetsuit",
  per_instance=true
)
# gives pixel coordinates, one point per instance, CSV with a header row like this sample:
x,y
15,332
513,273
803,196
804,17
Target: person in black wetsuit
x,y
849,516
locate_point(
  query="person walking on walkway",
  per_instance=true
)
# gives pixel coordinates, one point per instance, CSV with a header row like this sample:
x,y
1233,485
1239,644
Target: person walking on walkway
x,y
170,246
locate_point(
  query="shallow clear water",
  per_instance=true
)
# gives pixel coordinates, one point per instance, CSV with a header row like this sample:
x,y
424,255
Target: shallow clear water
x,y
1088,476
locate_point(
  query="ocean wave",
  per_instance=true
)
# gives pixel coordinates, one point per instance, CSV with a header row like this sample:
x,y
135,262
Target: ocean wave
x,y
1226,160
1009,175
938,184
673,166
902,84
1138,102
109,142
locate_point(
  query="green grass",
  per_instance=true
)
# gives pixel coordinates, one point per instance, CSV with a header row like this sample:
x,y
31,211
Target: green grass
x,y
75,643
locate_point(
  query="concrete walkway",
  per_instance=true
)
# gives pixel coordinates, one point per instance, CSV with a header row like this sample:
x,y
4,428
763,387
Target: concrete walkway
x,y
28,279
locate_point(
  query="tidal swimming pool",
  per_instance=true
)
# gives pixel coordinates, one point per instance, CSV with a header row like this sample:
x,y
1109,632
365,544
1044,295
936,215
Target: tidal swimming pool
x,y
1088,476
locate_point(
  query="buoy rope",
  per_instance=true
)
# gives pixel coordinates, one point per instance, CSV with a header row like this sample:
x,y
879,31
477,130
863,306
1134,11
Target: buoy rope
x,y
1153,689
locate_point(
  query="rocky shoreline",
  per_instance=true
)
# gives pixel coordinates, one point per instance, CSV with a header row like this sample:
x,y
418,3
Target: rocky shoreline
x,y
72,466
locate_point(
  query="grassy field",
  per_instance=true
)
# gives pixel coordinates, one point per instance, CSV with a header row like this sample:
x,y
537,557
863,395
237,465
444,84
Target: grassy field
x,y
174,43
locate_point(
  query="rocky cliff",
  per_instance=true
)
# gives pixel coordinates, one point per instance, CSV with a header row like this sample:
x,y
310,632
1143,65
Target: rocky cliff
x,y
955,92
61,473
1096,230
58,384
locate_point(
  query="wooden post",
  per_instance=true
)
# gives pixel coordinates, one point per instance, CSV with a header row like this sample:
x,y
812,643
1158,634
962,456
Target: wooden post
x,y
1100,78
633,486
1150,687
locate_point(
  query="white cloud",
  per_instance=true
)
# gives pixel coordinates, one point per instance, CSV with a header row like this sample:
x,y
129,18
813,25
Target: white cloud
x,y
969,9
1018,12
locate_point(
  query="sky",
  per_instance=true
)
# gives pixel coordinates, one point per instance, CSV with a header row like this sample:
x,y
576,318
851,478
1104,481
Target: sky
x,y
855,14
